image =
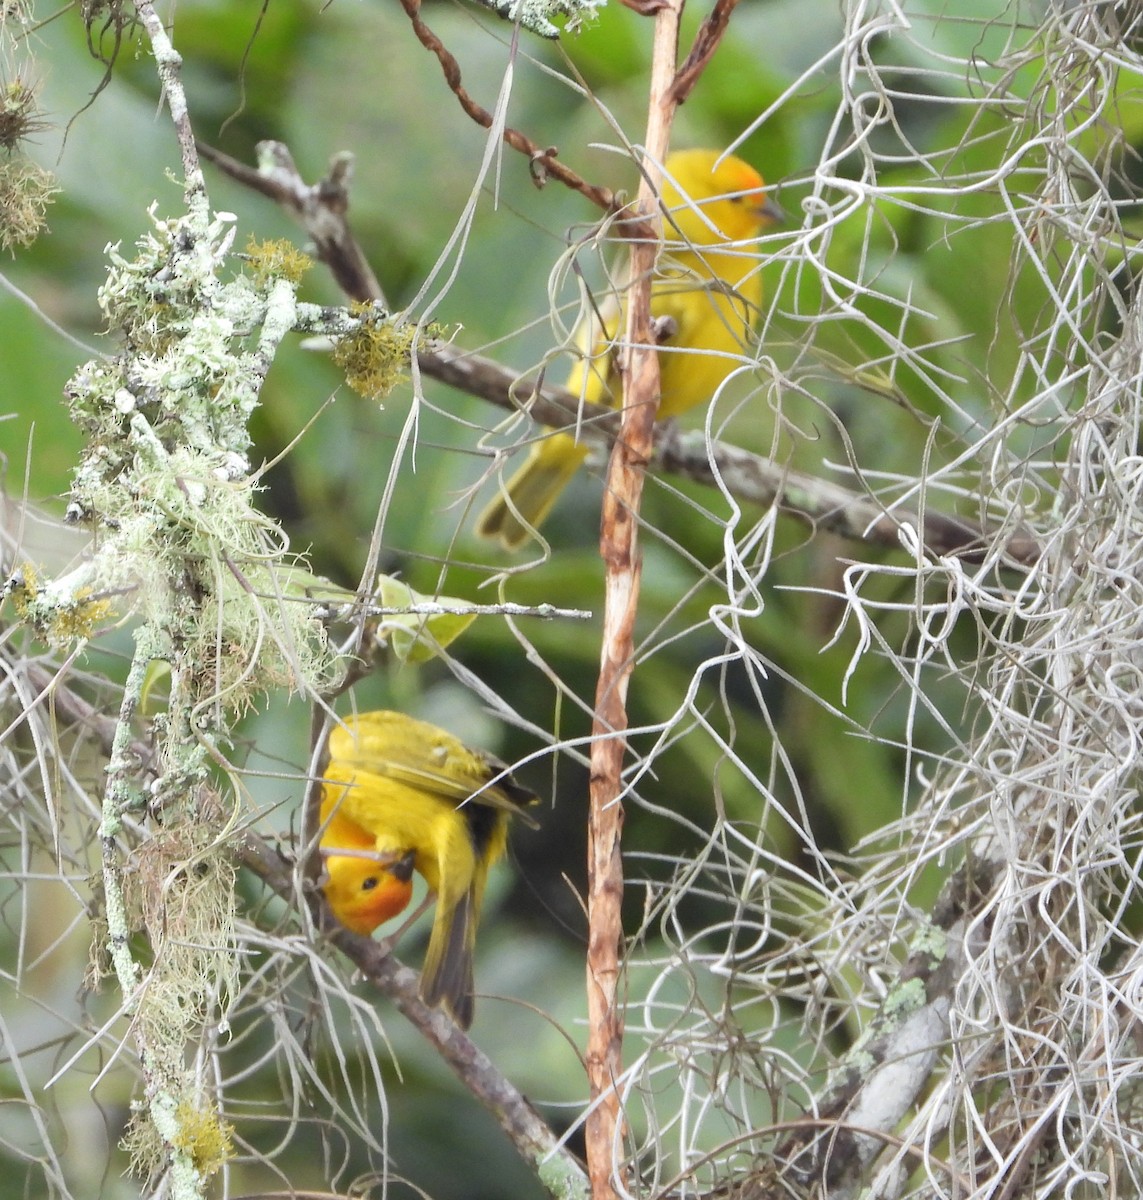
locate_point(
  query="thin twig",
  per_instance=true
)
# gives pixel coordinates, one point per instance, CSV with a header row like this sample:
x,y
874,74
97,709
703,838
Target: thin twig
x,y
168,62
702,51
542,160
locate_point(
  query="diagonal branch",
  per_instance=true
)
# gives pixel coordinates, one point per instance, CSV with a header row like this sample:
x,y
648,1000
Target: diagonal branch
x,y
702,51
532,1137
528,1132
322,210
543,161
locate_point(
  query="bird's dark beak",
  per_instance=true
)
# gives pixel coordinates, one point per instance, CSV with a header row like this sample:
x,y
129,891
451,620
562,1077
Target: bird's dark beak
x,y
402,869
772,211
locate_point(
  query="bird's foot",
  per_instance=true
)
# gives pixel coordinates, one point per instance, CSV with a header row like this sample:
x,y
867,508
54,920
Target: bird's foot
x,y
665,329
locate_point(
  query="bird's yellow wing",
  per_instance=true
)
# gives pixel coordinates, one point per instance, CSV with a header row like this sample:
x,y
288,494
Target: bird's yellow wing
x,y
419,756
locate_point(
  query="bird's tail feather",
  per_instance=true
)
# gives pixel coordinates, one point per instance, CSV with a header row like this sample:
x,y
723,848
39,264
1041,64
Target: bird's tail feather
x,y
446,977
532,492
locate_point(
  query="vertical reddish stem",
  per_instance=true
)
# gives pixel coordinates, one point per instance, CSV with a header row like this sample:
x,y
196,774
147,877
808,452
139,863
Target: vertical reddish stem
x,y
620,551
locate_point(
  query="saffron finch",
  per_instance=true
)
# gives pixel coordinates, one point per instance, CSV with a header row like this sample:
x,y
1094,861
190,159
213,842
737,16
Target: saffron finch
x,y
413,787
704,296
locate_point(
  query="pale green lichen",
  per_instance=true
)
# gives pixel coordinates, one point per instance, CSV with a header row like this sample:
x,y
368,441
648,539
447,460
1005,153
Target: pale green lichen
x,y
537,15
179,897
166,472
931,941
902,1001
195,1130
560,1178
145,1148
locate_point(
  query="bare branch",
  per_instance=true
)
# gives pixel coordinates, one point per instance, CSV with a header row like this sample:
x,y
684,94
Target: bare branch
x,y
542,161
702,51
618,546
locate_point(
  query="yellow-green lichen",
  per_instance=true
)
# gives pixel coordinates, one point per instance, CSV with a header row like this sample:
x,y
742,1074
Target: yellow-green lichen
x,y
204,1138
276,259
62,615
26,190
375,356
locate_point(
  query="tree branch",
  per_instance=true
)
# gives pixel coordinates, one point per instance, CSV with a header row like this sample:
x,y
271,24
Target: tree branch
x,y
555,1166
543,161
322,210
533,1139
702,51
619,548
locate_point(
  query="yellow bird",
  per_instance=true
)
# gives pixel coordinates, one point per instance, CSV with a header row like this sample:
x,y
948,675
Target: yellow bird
x,y
705,294
363,889
414,787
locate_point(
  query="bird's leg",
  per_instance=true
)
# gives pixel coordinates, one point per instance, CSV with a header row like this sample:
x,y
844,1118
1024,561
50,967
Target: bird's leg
x,y
401,868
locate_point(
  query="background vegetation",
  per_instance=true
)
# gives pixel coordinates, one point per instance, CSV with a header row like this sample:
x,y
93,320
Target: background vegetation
x,y
825,728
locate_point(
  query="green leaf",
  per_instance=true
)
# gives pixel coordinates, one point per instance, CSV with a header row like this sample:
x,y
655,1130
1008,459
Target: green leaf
x,y
417,630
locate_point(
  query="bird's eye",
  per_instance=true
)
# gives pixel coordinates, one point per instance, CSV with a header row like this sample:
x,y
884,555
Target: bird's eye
x,y
369,883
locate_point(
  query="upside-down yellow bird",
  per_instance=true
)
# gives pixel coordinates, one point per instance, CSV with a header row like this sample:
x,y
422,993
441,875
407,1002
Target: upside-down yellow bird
x,y
363,889
705,294
415,788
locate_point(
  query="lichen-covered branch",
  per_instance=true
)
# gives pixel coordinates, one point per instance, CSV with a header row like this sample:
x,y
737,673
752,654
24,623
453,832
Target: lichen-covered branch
x,y
166,481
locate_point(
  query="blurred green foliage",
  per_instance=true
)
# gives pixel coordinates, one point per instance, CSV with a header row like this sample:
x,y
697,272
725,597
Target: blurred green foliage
x,y
352,77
